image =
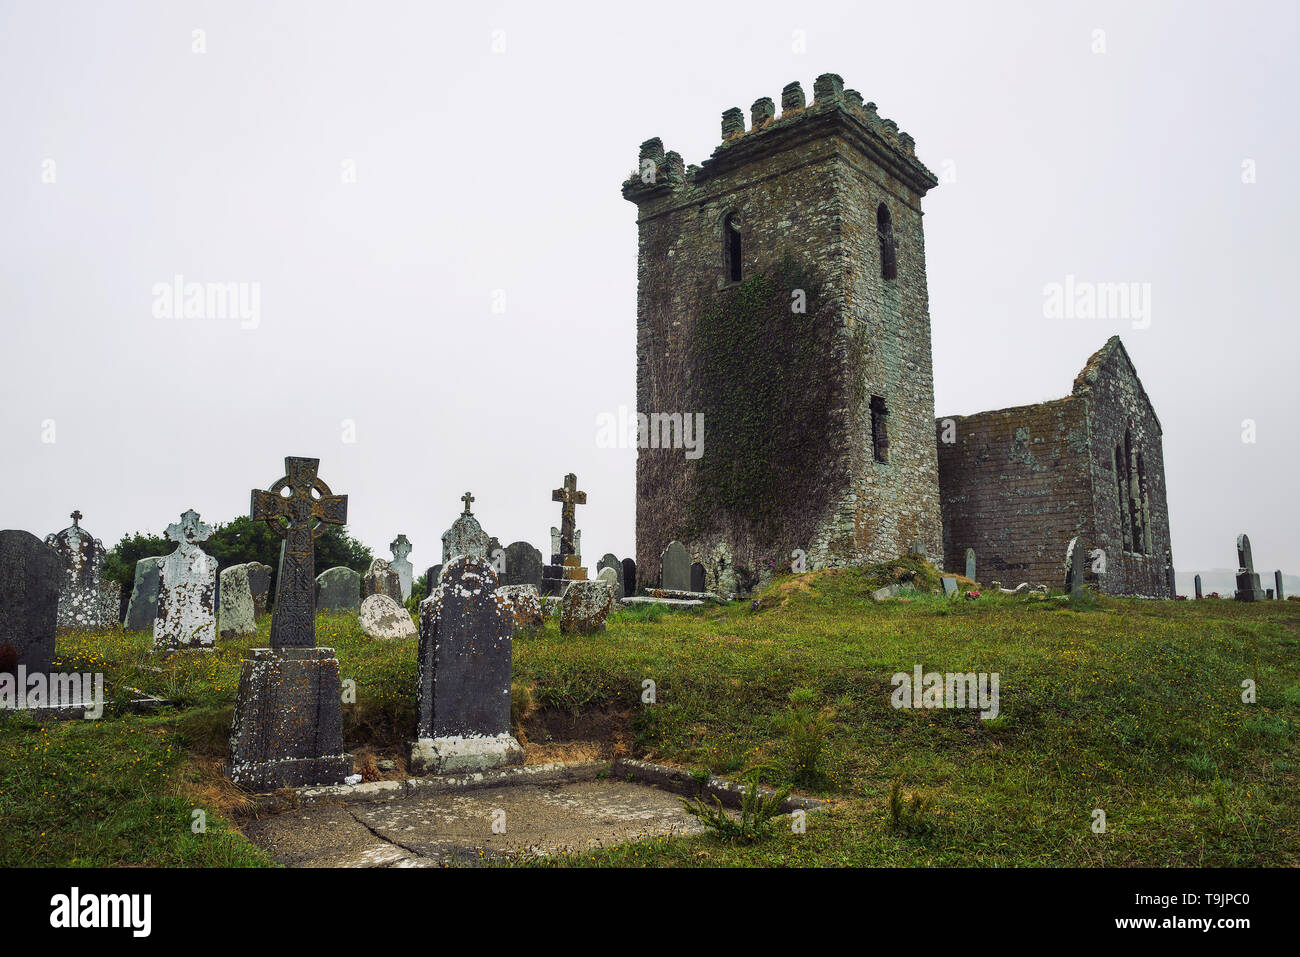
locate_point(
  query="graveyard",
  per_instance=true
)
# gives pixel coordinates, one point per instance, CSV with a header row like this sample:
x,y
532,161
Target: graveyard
x,y
1129,705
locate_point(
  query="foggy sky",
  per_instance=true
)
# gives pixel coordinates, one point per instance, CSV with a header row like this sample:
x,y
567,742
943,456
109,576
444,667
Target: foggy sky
x,y
488,143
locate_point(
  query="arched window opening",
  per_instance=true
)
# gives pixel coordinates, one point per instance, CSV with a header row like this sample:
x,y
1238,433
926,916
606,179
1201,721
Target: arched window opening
x,y
731,247
888,253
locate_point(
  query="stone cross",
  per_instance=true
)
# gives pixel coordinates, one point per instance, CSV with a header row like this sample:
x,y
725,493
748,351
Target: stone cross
x,y
466,498
189,532
571,497
400,547
290,508
76,516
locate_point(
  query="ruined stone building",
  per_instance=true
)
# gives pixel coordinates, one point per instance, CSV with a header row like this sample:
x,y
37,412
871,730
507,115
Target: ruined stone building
x,y
781,293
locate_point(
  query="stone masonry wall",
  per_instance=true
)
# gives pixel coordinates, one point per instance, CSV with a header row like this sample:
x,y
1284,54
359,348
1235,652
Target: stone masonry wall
x,y
1016,486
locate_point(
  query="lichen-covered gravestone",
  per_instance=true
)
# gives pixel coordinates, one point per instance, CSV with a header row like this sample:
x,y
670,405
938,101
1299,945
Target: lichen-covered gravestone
x,y
288,724
523,606
143,607
80,604
259,583
401,547
675,567
381,580
466,536
383,618
338,589
236,612
31,576
585,606
970,564
1248,587
523,565
464,668
187,590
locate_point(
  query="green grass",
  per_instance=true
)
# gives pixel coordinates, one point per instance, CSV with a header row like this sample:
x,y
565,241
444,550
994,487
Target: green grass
x,y
1133,707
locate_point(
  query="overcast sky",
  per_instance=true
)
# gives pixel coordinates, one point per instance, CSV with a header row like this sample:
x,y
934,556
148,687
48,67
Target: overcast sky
x,y
426,200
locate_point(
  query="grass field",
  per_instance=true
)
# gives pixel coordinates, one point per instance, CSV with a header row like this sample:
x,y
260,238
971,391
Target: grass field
x,y
1127,706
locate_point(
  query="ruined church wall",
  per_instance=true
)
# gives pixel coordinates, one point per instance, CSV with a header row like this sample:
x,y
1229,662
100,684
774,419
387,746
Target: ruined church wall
x,y
1016,486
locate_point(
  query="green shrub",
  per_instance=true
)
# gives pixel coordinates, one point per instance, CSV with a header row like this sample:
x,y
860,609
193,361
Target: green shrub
x,y
756,812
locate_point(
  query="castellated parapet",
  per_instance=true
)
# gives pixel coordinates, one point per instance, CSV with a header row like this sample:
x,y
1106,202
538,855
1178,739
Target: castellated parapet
x,y
838,189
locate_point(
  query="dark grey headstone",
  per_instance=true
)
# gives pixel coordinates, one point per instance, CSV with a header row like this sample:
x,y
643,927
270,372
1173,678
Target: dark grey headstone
x,y
464,669
1277,585
523,565
629,577
697,576
338,589
259,583
1248,587
1074,559
675,567
949,585
1197,583
143,606
31,575
970,564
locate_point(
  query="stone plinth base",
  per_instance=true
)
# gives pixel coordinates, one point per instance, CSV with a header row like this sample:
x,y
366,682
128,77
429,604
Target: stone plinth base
x,y
288,727
1248,587
562,570
455,754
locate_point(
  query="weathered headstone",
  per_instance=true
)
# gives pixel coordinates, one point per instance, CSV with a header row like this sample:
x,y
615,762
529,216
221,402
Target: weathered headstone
x,y
466,535
338,589
1248,587
1269,594
259,583
110,603
610,578
949,585
288,725
401,547
970,564
187,589
1197,583
431,577
585,606
697,576
381,580
1074,562
80,604
917,547
382,617
610,560
523,606
675,568
143,608
236,611
629,577
523,565
464,668
31,577
1277,585
566,542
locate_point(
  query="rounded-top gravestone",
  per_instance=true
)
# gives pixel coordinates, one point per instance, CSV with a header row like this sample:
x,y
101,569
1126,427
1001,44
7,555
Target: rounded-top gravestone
x,y
382,617
31,575
382,580
338,589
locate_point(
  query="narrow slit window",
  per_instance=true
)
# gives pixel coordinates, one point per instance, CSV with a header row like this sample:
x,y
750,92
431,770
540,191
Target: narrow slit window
x,y
1121,501
731,247
879,429
888,251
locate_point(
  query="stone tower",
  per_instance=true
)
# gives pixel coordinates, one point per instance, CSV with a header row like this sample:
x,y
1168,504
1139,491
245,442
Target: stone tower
x,y
833,452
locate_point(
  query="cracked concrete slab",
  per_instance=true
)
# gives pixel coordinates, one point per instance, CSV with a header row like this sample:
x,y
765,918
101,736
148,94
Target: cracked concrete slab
x,y
426,828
